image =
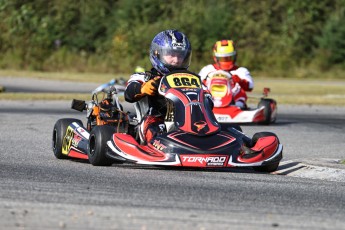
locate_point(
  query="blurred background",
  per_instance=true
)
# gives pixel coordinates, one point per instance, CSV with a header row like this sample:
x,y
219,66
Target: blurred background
x,y
303,39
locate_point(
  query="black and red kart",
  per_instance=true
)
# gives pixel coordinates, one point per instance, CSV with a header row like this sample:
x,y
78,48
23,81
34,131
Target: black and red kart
x,y
194,138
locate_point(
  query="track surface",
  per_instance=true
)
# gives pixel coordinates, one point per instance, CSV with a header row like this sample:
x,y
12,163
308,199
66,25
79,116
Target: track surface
x,y
38,191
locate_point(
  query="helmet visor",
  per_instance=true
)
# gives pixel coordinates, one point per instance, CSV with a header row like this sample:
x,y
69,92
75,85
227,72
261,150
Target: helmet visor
x,y
226,59
175,58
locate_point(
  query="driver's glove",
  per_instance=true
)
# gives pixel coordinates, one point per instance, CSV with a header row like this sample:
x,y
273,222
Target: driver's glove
x,y
150,87
242,82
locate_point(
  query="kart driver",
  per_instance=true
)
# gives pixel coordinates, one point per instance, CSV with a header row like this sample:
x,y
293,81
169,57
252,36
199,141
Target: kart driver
x,y
224,56
170,50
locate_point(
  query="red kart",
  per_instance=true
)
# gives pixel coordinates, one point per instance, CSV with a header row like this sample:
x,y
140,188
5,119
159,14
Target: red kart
x,y
219,84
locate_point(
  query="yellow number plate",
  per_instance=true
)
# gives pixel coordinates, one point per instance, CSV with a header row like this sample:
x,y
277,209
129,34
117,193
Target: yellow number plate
x,y
183,80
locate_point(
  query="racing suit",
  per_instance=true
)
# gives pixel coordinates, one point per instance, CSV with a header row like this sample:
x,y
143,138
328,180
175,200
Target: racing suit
x,y
153,122
242,82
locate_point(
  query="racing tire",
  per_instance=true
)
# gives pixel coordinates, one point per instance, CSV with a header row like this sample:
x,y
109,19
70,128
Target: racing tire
x,y
59,133
268,112
99,136
265,168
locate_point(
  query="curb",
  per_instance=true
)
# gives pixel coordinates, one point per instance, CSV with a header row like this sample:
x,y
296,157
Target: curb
x,y
322,169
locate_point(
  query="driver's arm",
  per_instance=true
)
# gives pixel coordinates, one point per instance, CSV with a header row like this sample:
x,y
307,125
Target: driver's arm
x,y
133,92
138,88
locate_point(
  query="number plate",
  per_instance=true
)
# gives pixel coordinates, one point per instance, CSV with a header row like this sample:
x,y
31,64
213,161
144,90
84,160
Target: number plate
x,y
183,80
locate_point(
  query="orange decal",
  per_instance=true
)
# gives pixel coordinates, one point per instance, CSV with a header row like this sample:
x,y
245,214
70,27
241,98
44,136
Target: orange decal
x,y
200,125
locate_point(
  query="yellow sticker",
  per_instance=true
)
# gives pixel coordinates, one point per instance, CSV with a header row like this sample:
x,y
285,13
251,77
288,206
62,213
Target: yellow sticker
x,y
67,140
183,80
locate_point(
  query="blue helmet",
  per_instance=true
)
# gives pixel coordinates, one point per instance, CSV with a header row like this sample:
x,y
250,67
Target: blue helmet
x,y
170,45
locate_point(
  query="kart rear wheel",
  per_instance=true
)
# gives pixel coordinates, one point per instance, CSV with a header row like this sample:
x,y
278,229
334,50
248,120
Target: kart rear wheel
x,y
99,136
269,111
264,168
59,133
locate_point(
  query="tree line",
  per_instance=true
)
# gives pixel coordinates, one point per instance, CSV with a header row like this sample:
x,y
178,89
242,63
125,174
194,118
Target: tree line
x,y
272,36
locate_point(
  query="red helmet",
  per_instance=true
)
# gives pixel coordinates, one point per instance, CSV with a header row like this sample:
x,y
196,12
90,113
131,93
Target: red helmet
x,y
224,54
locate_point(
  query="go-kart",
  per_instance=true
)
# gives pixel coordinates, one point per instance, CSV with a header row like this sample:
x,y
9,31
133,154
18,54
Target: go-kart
x,y
220,85
193,138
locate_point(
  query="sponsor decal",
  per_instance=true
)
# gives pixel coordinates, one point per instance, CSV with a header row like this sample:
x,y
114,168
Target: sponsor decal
x,y
67,140
188,90
177,41
83,132
163,88
202,160
222,118
158,145
76,140
220,75
200,125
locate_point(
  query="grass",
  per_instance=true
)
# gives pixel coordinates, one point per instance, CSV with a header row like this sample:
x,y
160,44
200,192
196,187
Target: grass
x,y
77,77
297,91
45,96
285,91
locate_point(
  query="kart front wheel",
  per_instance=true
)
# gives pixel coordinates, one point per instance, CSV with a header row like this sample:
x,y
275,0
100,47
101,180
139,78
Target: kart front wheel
x,y
59,133
99,136
269,167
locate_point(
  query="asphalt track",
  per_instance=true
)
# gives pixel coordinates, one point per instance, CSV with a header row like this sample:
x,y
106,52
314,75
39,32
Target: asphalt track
x,y
38,191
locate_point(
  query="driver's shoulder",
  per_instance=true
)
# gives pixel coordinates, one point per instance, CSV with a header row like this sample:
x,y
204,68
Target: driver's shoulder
x,y
137,77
